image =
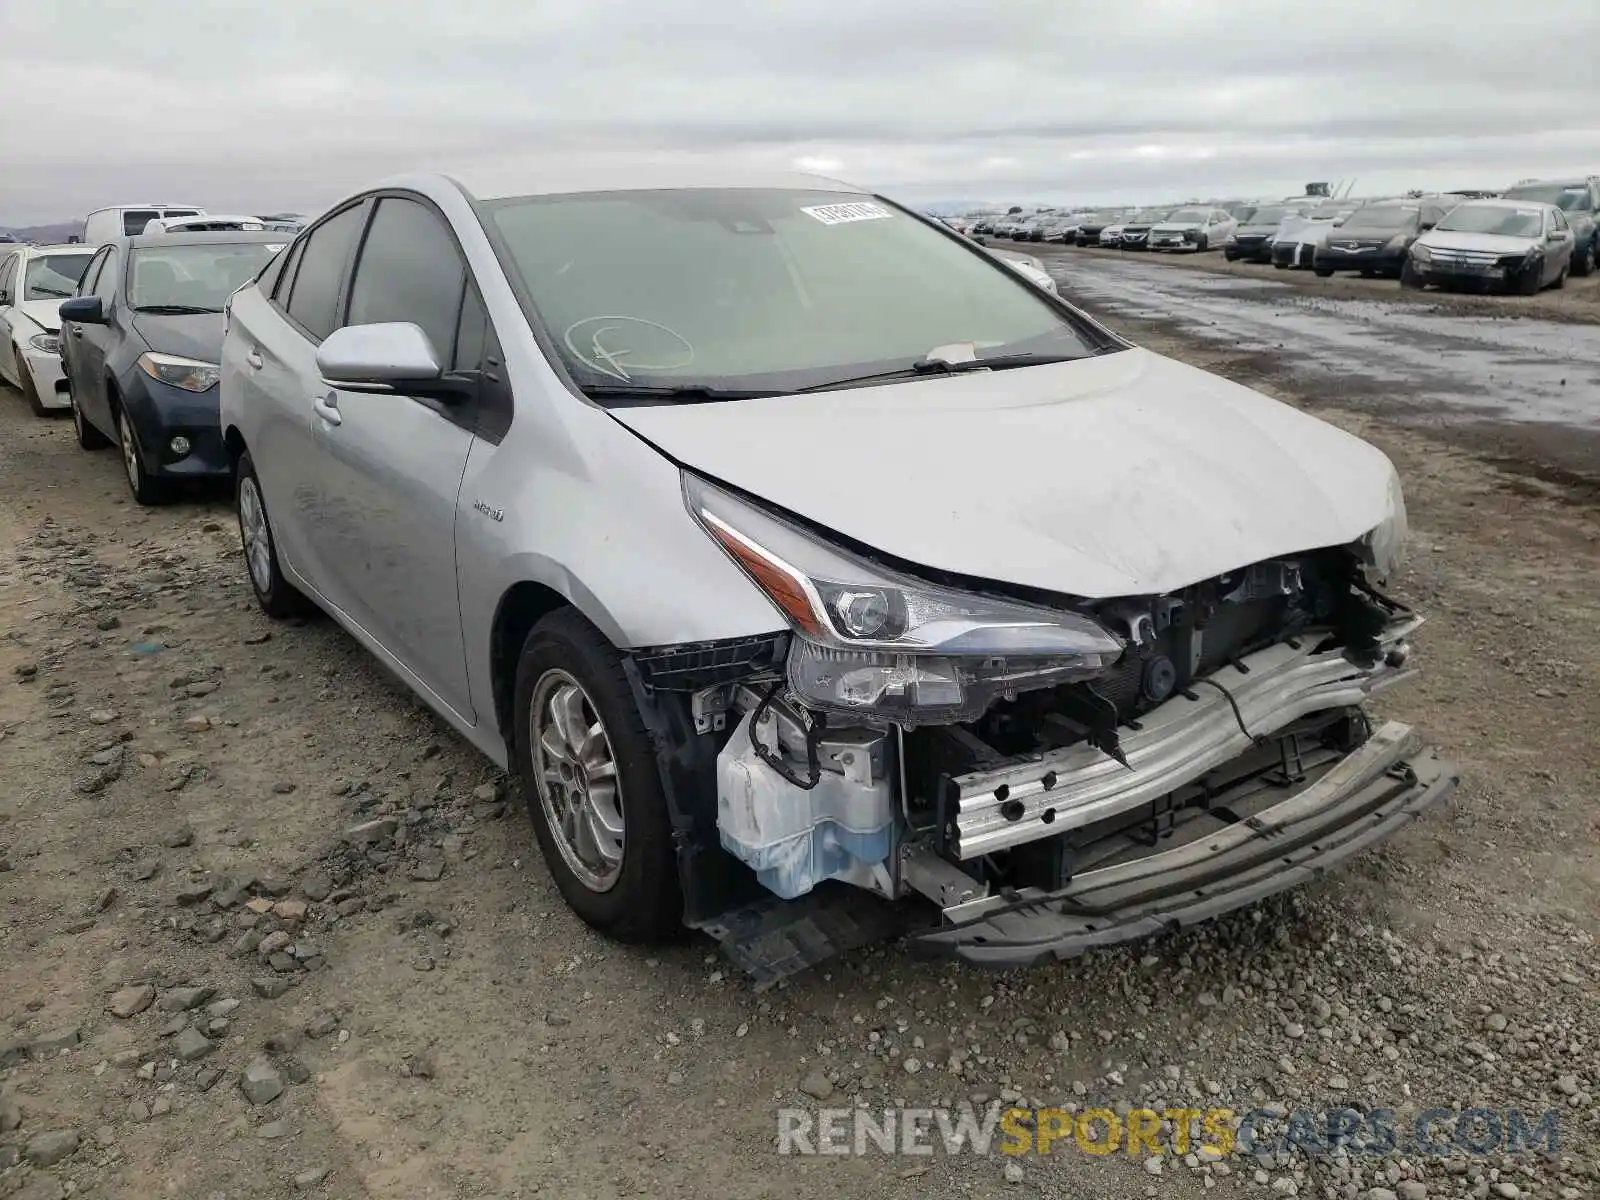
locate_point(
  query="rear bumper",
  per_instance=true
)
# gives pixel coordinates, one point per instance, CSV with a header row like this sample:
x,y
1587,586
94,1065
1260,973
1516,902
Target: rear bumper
x,y
1357,802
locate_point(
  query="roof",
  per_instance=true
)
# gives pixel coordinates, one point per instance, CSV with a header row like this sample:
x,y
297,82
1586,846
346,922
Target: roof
x,y
58,248
146,204
220,238
1506,202
490,183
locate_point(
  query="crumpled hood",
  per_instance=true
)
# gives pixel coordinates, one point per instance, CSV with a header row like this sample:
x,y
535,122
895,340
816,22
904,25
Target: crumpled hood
x,y
192,335
1125,474
1493,243
44,313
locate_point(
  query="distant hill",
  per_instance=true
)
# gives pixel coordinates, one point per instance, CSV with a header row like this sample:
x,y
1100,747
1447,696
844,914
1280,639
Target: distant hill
x,y
45,234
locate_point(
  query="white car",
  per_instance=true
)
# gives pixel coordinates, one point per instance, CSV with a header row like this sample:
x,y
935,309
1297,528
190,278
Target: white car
x,y
205,223
1193,229
1298,237
127,220
33,283
1111,235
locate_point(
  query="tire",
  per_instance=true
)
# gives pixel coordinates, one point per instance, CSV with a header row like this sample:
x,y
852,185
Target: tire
x,y
89,438
1204,244
278,598
1279,265
146,488
1530,285
1230,255
25,383
1561,279
1410,279
1325,272
1583,264
630,891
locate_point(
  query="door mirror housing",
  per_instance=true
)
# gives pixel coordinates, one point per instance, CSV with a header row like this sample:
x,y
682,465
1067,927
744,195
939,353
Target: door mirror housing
x,y
1555,235
85,310
391,356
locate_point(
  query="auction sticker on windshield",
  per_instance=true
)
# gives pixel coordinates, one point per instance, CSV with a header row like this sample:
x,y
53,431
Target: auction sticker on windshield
x,y
839,214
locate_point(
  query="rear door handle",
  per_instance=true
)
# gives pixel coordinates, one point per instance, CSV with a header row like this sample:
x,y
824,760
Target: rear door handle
x,y
254,360
327,408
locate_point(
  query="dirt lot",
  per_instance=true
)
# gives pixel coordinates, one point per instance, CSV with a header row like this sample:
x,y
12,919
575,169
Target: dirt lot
x,y
304,1014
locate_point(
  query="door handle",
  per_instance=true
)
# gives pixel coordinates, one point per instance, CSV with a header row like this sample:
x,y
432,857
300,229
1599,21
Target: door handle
x,y
254,360
76,332
327,408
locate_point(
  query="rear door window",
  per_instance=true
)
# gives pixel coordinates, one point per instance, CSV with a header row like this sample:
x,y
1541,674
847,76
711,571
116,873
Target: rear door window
x,y
106,284
409,270
314,300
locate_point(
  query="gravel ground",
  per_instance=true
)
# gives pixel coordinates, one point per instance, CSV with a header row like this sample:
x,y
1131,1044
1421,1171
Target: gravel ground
x,y
272,931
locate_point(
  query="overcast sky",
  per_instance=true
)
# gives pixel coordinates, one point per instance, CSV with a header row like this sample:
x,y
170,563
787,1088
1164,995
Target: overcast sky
x,y
244,106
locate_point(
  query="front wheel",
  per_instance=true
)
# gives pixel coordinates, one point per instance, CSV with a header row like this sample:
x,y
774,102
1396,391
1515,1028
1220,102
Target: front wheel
x,y
1584,263
146,488
1324,272
594,792
1204,244
277,597
25,382
1410,278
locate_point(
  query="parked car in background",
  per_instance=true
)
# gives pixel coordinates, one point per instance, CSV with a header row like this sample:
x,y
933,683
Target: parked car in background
x,y
1134,233
724,685
1194,228
1375,238
1094,224
284,222
140,341
1579,199
1295,244
205,223
1515,245
34,280
1252,239
126,220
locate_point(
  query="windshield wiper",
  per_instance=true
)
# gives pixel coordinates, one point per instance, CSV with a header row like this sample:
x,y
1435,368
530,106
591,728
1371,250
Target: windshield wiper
x,y
47,291
939,366
674,394
173,310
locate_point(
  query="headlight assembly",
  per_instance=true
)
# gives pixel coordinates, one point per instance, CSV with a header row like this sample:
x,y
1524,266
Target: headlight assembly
x,y
1420,253
1387,543
190,374
45,343
877,644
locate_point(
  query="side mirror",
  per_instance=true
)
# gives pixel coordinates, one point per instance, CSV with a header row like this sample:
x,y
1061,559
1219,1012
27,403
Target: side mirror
x,y
393,356
1555,235
85,310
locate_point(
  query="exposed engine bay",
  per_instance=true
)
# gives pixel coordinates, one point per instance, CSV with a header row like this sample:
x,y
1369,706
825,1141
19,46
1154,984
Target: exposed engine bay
x,y
1229,697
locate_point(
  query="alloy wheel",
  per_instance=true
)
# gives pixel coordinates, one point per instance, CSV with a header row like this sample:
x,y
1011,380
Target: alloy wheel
x,y
575,771
130,452
256,535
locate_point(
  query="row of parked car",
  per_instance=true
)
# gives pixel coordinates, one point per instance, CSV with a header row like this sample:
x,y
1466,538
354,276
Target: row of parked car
x,y
1526,238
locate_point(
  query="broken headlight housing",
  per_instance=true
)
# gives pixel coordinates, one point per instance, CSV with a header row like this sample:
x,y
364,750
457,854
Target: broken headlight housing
x,y
880,645
1385,546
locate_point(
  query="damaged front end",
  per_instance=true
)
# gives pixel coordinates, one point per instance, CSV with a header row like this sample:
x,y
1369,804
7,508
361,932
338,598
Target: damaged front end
x,y
1019,780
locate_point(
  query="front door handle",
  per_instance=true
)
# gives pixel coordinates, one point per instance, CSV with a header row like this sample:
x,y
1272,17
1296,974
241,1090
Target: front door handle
x,y
327,408
254,360
76,332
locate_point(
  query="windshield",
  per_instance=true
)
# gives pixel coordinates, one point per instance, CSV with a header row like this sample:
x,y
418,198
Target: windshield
x,y
1148,216
1569,197
1493,218
1383,218
194,277
744,289
54,276
1189,216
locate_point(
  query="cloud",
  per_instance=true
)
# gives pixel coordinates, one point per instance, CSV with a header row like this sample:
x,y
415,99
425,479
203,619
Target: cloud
x,y
293,103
